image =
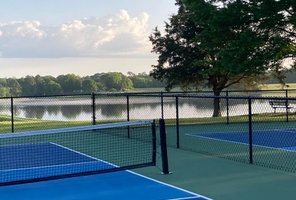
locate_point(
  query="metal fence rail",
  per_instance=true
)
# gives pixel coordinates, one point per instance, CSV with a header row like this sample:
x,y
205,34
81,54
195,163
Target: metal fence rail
x,y
249,129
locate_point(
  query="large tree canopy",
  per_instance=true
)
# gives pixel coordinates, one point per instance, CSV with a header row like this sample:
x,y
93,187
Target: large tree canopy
x,y
218,43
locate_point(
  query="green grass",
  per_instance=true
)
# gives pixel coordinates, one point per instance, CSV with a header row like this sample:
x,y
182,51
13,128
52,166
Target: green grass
x,y
148,90
278,86
22,124
282,90
280,93
266,117
177,89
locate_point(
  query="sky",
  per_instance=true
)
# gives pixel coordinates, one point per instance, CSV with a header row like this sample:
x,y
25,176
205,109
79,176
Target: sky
x,y
54,37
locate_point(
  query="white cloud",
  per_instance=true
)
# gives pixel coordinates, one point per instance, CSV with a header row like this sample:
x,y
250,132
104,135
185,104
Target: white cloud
x,y
119,34
18,29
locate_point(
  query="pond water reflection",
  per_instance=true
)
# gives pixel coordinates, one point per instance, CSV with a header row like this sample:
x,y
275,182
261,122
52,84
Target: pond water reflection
x,y
116,108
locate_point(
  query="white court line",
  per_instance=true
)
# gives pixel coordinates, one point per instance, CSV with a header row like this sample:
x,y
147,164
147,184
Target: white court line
x,y
162,183
98,160
95,160
83,154
235,142
48,166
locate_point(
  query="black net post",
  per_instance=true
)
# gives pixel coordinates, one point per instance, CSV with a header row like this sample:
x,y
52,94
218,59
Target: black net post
x,y
154,143
250,132
164,154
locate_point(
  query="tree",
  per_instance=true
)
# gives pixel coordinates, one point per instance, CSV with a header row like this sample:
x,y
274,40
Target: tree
x,y
138,82
40,85
52,87
15,88
143,80
126,84
177,52
28,85
4,91
70,83
3,82
97,78
218,43
89,85
116,81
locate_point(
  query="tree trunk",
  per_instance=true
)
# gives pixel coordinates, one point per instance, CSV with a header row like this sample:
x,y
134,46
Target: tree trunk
x,y
217,104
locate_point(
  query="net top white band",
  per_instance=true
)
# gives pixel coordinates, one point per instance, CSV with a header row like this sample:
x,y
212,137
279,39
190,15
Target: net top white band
x,y
76,129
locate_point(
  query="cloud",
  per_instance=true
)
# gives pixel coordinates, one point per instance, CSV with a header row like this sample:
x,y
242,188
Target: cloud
x,y
118,34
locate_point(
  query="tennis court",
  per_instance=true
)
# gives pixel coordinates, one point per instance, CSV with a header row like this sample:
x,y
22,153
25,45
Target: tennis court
x,y
284,139
115,185
83,163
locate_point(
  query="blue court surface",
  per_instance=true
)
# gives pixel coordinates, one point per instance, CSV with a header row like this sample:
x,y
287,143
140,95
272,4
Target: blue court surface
x,y
284,139
29,161
114,185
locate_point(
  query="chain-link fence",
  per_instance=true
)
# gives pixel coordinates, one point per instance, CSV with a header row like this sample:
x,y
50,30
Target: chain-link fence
x,y
251,129
44,112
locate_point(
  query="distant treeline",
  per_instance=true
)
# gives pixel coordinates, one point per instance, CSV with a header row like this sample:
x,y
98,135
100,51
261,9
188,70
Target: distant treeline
x,y
71,83
289,77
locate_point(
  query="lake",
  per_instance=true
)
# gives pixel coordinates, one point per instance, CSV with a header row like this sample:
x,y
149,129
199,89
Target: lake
x,y
64,109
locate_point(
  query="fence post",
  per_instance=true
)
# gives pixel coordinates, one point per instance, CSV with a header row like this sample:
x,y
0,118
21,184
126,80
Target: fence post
x,y
162,115
93,97
177,122
287,104
127,107
227,107
250,131
12,114
128,114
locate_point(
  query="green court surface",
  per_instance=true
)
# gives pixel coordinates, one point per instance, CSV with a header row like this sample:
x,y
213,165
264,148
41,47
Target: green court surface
x,y
223,179
273,142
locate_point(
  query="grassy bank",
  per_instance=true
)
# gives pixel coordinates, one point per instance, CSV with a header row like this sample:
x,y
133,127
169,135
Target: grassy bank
x,y
266,117
280,93
290,87
21,124
278,86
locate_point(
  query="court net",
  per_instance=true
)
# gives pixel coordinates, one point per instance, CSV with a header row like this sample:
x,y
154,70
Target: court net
x,y
68,152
